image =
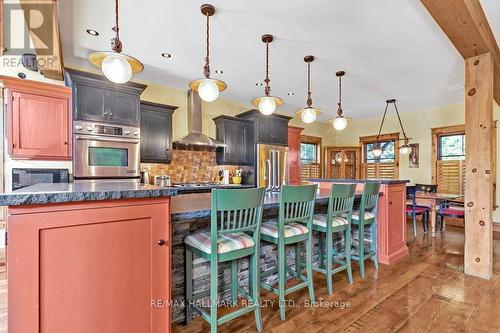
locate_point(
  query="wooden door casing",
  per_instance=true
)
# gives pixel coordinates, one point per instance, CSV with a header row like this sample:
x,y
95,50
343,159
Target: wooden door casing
x,y
89,267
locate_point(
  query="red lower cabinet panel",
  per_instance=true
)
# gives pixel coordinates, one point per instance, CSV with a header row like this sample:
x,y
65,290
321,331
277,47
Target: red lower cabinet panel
x,y
89,267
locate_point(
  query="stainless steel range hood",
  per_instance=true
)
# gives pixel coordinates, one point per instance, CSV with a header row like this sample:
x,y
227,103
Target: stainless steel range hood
x,y
195,136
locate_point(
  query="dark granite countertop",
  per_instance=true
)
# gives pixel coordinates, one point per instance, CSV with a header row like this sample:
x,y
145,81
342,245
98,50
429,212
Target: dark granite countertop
x,y
197,205
84,191
381,181
208,188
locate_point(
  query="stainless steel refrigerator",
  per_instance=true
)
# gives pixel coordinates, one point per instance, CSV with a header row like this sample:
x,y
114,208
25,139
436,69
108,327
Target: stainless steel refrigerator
x,y
271,167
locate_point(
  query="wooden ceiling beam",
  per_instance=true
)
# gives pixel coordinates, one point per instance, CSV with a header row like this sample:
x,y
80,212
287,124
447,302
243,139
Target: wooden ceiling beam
x,y
49,57
466,26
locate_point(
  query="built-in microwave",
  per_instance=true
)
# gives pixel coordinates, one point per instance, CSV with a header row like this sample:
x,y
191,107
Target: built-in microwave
x,y
22,177
105,151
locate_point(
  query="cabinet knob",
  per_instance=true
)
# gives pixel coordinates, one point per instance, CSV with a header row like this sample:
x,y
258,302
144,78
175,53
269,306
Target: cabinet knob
x,y
161,242
66,142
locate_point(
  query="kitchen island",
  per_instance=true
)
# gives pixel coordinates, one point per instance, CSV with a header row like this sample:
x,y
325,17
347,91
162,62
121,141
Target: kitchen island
x,y
88,257
191,213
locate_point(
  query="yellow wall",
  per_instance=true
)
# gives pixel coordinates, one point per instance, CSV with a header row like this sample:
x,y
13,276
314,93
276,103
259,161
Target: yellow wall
x,y
418,126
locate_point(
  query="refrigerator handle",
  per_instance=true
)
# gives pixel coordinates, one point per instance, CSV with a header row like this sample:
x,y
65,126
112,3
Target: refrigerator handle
x,y
274,169
285,168
267,173
278,170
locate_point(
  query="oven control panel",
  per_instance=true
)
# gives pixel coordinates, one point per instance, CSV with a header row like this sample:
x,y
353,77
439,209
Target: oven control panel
x,y
85,127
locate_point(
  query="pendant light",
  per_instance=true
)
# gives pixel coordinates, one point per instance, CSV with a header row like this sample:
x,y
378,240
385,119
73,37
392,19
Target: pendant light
x,y
267,103
309,114
405,148
116,66
208,88
340,122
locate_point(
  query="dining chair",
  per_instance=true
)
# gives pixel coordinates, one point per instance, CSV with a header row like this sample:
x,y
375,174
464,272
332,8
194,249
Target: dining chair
x,y
336,220
413,209
367,215
293,226
234,233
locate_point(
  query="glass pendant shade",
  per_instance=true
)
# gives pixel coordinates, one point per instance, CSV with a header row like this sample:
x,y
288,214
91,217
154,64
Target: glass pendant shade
x,y
339,123
308,115
377,152
267,105
405,149
208,90
116,68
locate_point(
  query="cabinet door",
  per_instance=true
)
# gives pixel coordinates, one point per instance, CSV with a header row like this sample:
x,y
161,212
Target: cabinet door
x,y
156,135
238,137
122,108
39,126
93,267
89,102
279,131
264,131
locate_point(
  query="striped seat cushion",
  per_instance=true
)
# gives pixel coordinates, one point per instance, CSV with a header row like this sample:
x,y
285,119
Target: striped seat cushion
x,y
225,243
270,228
368,215
337,221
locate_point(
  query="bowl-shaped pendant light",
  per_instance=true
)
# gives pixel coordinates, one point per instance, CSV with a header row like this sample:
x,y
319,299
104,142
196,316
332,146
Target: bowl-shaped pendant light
x,y
208,88
116,66
267,104
340,121
308,114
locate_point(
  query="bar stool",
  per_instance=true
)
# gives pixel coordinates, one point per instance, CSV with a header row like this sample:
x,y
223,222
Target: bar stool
x,y
367,215
294,225
336,220
234,233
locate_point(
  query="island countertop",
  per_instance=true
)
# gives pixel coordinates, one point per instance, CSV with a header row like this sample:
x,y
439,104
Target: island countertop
x,y
49,193
359,181
197,205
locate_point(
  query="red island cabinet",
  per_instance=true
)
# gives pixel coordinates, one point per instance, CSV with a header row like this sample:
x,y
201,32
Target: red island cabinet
x,y
100,267
391,222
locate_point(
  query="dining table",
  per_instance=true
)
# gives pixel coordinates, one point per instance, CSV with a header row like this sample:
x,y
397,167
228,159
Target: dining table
x,y
433,201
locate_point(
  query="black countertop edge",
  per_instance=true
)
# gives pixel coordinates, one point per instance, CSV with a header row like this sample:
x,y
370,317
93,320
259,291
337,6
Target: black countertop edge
x,y
40,194
205,189
362,181
205,213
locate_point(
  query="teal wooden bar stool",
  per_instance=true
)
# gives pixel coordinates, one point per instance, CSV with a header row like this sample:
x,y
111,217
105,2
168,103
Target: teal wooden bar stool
x,y
294,225
234,234
336,220
367,215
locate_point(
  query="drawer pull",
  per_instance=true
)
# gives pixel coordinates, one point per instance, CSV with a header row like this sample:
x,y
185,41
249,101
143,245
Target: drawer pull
x,y
161,242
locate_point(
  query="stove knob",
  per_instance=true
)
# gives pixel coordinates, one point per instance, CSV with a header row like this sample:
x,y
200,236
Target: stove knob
x,y
136,133
78,127
90,128
127,132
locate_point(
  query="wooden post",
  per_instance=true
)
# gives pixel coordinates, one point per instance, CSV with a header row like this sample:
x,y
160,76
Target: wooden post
x,y
479,165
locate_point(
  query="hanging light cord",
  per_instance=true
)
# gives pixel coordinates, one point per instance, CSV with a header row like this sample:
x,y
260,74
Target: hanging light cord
x,y
116,44
309,99
383,119
206,68
339,109
267,89
401,124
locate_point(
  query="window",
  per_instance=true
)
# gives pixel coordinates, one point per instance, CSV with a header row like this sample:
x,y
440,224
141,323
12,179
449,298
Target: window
x,y
451,147
387,152
385,166
308,152
310,157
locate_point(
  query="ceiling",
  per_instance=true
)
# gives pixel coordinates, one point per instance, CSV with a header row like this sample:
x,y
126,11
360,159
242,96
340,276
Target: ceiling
x,y
388,48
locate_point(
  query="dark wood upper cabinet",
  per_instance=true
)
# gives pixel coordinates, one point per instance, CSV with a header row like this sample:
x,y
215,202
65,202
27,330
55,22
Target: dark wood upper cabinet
x,y
95,98
238,135
156,132
272,129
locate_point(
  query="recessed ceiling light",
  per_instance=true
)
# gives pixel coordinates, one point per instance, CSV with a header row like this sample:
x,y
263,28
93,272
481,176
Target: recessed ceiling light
x,y
92,32
219,71
166,55
291,94
455,87
258,84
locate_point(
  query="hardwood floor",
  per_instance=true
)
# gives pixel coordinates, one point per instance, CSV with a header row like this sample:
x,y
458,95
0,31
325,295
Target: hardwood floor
x,y
425,292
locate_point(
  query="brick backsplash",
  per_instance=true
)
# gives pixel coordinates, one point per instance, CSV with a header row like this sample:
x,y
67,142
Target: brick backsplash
x,y
189,165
